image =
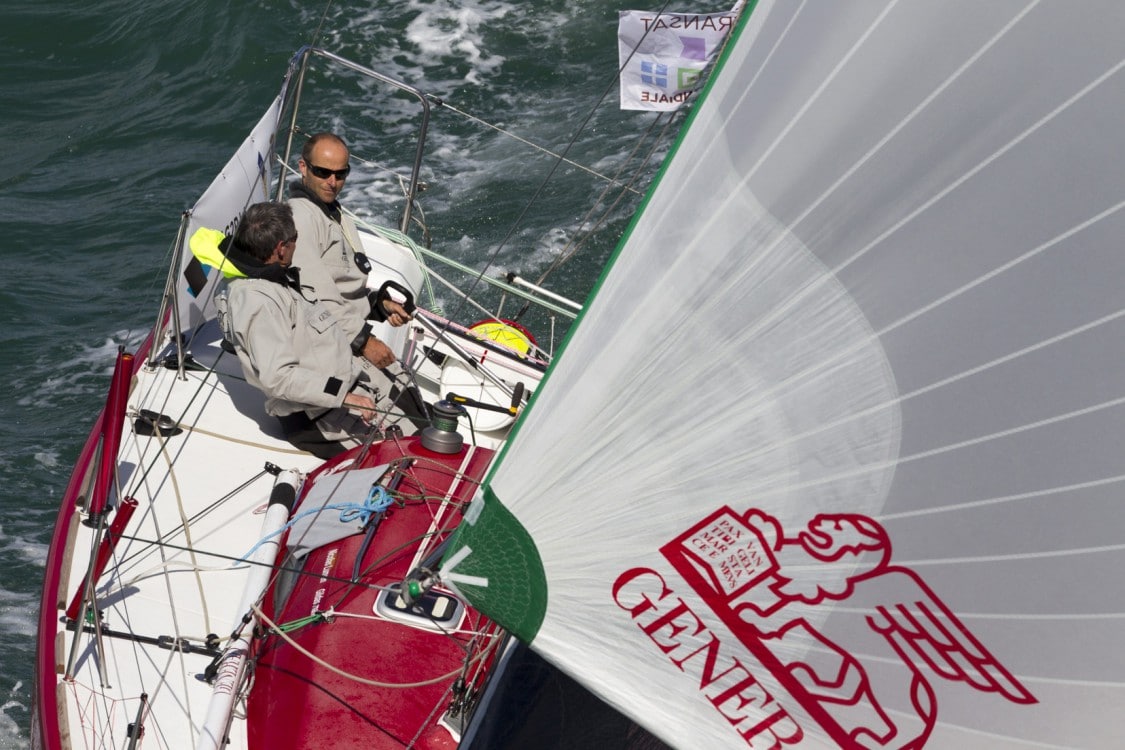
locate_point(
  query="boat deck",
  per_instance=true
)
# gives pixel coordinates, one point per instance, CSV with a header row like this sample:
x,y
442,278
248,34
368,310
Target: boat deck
x,y
382,675
193,526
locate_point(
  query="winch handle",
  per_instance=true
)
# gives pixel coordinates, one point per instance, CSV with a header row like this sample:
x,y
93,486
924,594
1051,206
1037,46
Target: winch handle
x,y
517,398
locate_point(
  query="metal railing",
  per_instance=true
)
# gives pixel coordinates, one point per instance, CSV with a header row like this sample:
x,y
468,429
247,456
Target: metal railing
x,y
423,128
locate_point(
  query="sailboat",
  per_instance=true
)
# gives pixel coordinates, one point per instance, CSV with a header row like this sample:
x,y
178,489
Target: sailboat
x,y
832,457
209,585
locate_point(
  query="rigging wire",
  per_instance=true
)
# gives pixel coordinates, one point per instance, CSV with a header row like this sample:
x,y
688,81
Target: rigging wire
x,y
561,156
320,23
135,338
559,161
573,246
186,526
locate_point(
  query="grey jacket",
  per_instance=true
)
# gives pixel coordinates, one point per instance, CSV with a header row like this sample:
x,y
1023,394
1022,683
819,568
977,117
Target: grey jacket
x,y
326,254
290,346
292,349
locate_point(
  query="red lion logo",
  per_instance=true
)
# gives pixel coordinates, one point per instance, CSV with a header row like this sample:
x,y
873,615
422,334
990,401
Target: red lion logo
x,y
849,664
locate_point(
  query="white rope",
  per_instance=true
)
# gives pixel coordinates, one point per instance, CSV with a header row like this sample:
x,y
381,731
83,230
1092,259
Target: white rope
x,y
348,675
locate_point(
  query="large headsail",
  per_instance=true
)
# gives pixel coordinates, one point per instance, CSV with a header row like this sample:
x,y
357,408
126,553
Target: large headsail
x,y
859,373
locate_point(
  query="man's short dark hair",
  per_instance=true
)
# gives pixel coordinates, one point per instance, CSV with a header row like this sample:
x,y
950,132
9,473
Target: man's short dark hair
x,y
310,144
263,226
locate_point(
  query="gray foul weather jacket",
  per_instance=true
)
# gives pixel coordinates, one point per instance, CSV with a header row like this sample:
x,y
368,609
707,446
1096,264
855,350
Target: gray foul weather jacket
x,y
291,347
328,254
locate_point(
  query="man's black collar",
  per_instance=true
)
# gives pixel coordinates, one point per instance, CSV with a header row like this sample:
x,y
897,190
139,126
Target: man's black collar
x,y
256,269
297,189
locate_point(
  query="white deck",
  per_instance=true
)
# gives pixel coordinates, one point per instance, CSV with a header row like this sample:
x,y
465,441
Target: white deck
x,y
210,474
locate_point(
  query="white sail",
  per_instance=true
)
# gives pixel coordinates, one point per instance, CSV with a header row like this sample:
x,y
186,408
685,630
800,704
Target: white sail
x,y
859,379
243,181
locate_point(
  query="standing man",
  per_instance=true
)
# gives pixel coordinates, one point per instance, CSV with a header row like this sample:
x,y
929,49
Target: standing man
x,y
329,250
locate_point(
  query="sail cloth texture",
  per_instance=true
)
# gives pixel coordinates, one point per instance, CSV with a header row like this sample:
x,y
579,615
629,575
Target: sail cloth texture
x,y
244,180
834,457
661,56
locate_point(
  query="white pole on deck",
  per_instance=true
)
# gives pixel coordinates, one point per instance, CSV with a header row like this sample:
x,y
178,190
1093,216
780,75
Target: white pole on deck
x,y
232,666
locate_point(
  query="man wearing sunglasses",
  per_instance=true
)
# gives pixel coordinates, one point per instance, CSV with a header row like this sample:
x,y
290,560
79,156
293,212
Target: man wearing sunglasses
x,y
329,250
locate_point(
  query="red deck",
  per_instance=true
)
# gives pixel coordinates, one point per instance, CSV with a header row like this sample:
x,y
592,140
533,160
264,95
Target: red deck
x,y
296,702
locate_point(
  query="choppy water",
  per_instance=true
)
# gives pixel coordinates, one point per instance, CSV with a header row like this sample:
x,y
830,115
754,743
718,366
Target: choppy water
x,y
117,114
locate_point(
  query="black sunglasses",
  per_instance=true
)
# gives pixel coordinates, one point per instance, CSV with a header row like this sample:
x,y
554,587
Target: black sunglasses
x,y
322,173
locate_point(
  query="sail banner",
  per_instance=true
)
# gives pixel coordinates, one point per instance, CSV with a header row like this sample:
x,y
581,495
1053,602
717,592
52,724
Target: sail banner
x,y
243,181
662,55
835,455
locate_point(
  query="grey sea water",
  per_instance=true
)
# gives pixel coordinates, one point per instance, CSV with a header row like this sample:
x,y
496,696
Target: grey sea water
x,y
117,114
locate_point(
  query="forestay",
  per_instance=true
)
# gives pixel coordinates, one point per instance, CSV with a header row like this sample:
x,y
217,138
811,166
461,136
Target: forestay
x,y
858,376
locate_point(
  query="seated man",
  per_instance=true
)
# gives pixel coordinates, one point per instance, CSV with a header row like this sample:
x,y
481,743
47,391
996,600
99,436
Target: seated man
x,y
290,346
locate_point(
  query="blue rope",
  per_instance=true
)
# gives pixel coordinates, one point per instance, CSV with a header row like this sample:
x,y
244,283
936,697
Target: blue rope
x,y
377,501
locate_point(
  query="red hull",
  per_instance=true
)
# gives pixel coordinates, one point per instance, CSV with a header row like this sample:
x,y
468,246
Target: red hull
x,y
45,733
